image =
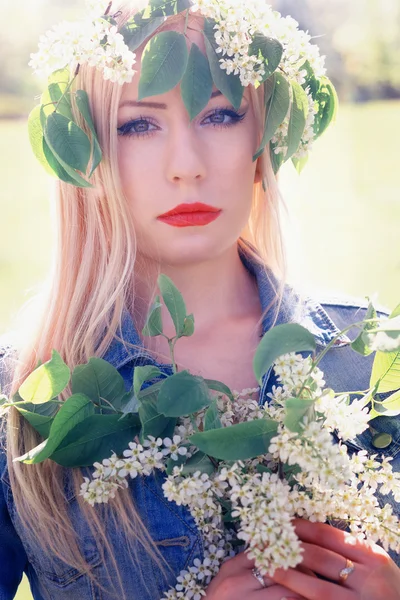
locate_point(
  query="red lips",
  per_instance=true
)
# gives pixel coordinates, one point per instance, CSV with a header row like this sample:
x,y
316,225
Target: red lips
x,y
190,215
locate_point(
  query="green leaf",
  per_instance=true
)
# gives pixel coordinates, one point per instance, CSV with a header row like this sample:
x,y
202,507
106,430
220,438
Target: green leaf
x,y
211,418
137,30
129,403
183,394
46,382
237,442
298,117
96,438
198,462
277,160
164,62
153,326
277,108
174,302
311,82
328,102
100,381
388,408
300,163
154,423
197,82
74,410
68,141
229,85
359,344
41,423
386,367
296,409
72,174
82,102
282,339
36,138
188,326
55,165
142,374
53,98
269,50
217,386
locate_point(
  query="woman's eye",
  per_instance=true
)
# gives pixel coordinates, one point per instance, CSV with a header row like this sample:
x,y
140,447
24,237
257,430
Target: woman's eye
x,y
224,117
143,126
138,127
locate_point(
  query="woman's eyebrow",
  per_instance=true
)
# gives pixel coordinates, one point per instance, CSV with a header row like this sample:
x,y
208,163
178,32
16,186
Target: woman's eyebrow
x,y
156,104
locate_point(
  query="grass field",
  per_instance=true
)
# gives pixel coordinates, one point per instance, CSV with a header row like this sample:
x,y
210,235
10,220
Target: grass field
x,y
344,235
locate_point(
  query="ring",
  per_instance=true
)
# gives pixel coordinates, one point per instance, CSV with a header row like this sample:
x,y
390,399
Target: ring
x,y
344,573
258,576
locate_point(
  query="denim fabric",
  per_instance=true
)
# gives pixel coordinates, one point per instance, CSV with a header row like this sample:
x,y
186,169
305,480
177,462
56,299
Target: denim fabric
x,y
172,526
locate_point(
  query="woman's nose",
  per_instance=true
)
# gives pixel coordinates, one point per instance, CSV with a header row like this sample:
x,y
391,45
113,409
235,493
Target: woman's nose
x,y
185,161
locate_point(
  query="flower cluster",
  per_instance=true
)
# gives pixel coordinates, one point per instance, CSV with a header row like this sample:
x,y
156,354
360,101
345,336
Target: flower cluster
x,y
236,23
249,505
112,473
95,42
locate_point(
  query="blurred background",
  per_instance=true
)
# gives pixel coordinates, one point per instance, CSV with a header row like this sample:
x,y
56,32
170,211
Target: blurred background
x,y
344,226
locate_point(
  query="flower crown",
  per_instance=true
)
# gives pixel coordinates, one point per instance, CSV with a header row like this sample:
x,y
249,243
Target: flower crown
x,y
246,44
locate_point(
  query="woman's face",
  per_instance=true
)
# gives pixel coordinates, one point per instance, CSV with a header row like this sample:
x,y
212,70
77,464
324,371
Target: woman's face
x,y
165,161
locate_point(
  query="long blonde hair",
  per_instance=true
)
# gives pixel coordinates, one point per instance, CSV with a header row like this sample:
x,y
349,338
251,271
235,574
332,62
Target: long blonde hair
x,y
91,280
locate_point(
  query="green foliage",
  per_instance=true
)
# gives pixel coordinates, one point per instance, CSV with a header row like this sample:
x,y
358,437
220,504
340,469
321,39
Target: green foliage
x,y
174,302
267,49
183,394
153,326
137,30
211,418
359,344
327,102
164,62
229,85
101,382
386,367
153,422
82,102
298,117
277,89
197,82
75,410
388,408
238,442
46,382
143,374
296,410
282,339
96,438
81,430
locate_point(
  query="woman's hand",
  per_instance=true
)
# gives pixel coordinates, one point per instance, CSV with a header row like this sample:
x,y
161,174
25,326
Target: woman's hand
x,y
375,575
235,581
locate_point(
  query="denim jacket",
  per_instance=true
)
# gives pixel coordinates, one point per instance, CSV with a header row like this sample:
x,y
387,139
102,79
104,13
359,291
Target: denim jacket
x,y
171,526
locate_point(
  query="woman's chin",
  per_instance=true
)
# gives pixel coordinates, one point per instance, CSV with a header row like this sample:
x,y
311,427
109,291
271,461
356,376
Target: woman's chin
x,y
195,247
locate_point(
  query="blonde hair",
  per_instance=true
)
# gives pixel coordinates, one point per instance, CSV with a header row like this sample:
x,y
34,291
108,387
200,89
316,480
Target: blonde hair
x,y
91,280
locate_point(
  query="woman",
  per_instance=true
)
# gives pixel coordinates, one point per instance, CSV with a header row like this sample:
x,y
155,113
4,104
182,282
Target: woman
x,y
227,259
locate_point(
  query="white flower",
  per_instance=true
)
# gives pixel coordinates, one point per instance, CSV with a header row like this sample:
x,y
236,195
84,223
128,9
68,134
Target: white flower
x,y
172,447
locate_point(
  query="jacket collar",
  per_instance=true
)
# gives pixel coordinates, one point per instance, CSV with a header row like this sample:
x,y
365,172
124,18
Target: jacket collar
x,y
294,308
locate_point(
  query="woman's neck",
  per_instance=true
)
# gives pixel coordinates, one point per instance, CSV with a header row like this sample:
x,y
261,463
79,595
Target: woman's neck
x,y
215,291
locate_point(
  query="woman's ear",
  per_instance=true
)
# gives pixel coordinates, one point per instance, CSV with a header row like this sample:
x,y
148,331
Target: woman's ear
x,y
257,174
